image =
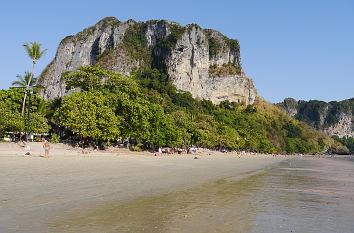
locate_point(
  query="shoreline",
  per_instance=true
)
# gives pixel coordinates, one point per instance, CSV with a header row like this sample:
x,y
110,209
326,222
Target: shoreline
x,y
36,190
63,150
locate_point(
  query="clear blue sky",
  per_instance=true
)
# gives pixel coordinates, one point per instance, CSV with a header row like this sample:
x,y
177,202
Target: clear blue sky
x,y
299,49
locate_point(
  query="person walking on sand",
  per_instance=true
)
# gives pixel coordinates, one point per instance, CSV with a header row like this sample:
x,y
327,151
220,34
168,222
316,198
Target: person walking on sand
x,y
46,147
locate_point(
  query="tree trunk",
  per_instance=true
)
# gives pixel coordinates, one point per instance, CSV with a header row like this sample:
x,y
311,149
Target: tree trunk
x,y
27,87
24,101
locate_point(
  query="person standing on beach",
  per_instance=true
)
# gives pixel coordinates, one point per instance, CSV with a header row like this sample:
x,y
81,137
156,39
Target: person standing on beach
x,y
46,147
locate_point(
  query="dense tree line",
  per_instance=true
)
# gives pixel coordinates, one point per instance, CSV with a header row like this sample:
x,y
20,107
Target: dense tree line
x,y
112,106
146,108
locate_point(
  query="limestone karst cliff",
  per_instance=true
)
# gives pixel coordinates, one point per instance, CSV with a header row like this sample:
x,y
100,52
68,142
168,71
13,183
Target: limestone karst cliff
x,y
201,61
334,118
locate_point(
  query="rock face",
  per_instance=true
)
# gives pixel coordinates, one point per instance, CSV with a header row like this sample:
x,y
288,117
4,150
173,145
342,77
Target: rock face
x,y
189,66
289,106
201,61
344,127
82,50
334,118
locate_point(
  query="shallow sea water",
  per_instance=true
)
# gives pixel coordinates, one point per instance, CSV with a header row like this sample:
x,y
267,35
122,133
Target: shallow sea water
x,y
309,195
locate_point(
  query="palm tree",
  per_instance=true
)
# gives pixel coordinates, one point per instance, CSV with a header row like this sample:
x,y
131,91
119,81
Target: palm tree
x,y
34,52
24,80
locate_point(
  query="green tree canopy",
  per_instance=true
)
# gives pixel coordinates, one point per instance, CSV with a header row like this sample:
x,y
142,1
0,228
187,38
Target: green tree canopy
x,y
10,121
149,109
86,114
120,93
11,105
38,123
163,130
13,98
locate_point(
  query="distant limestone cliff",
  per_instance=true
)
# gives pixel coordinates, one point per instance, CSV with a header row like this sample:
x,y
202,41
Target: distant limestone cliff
x,y
334,118
201,61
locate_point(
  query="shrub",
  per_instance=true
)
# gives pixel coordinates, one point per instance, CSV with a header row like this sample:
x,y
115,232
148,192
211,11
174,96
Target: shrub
x,y
137,147
55,138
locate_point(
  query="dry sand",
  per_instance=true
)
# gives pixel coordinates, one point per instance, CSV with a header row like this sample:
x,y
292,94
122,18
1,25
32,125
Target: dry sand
x,y
35,190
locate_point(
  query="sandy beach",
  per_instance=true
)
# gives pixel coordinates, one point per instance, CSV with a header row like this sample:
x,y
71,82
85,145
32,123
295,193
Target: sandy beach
x,y
36,191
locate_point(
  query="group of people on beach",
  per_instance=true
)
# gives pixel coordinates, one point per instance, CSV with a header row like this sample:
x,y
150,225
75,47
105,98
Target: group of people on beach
x,y
46,147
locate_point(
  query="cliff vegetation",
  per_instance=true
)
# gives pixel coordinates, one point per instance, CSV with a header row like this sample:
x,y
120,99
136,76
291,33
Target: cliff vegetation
x,y
148,109
318,114
160,83
182,120
334,118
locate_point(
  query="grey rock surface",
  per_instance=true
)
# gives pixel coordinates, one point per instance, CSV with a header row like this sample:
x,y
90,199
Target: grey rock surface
x,y
344,127
188,62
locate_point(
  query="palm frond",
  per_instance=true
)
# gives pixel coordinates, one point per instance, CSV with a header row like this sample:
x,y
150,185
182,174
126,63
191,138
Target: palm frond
x,y
23,80
27,78
18,83
41,53
33,50
43,108
34,81
28,50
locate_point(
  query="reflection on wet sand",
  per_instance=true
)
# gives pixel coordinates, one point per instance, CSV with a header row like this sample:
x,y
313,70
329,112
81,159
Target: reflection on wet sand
x,y
214,207
297,196
309,197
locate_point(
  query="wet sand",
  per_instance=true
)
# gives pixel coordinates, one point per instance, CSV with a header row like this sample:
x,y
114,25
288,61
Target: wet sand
x,y
297,195
44,195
